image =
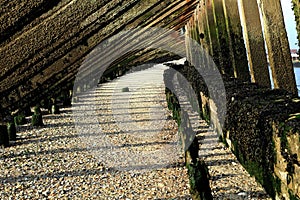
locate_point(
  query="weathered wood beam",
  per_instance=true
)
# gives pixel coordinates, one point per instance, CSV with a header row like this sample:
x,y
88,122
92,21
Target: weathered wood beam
x,y
226,58
56,42
296,9
236,42
255,42
213,35
278,45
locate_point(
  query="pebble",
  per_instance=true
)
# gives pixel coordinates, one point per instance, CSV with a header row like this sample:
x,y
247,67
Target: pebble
x,y
242,194
52,162
160,185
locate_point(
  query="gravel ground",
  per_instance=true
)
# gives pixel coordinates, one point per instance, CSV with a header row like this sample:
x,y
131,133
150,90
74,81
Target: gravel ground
x,y
229,180
70,159
56,162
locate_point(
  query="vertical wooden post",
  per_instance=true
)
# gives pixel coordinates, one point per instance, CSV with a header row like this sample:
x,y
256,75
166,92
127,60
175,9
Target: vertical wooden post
x,y
195,31
207,34
37,119
278,45
202,27
215,45
66,97
226,58
236,40
4,138
187,43
296,8
12,132
255,42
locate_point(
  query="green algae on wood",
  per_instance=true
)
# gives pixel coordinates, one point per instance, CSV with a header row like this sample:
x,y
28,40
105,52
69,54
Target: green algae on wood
x,y
20,119
37,120
12,132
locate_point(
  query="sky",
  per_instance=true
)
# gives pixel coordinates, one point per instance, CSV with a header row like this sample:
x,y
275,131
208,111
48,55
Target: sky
x,y
290,23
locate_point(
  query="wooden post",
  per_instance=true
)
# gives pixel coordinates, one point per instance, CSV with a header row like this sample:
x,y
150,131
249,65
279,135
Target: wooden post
x,y
278,45
236,40
54,106
296,8
12,132
204,35
202,41
255,42
215,45
226,58
4,138
197,170
207,34
203,29
37,119
187,42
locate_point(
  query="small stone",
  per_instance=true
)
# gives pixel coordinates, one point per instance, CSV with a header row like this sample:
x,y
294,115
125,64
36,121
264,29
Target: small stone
x,y
242,194
160,185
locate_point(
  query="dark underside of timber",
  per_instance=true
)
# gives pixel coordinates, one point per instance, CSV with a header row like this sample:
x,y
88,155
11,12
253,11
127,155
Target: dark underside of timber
x,y
43,43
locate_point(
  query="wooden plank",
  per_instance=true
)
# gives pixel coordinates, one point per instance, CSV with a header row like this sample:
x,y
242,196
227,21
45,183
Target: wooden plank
x,y
255,42
278,45
236,40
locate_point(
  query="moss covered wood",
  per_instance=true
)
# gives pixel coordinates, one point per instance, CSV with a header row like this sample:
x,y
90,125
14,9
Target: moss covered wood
x,y
197,170
20,119
252,128
237,44
262,129
226,54
37,110
37,119
296,9
278,45
4,138
12,132
199,181
212,33
254,40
